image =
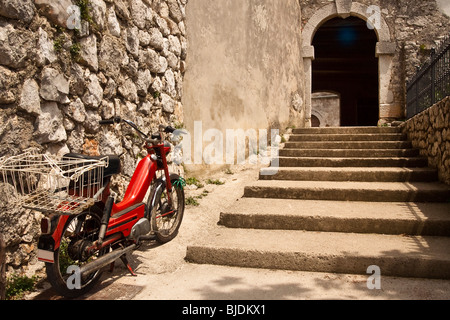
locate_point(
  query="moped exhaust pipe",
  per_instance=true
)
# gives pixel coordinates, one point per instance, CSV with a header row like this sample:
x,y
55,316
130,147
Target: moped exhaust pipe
x,y
105,260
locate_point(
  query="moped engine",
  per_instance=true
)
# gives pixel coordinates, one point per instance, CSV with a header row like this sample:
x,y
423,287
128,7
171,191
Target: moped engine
x,y
78,250
141,228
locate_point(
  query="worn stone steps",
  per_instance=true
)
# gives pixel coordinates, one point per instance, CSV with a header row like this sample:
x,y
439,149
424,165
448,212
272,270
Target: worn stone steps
x,y
349,153
349,145
402,256
396,218
349,191
351,174
340,200
348,137
410,162
348,130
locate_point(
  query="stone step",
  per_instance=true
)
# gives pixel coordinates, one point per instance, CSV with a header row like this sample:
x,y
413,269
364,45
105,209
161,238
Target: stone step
x,y
431,219
349,191
348,130
351,174
403,256
413,162
348,153
349,145
348,137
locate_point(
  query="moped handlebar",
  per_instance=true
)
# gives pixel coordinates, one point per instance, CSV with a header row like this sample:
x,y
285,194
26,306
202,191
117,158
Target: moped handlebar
x,y
111,121
152,140
167,129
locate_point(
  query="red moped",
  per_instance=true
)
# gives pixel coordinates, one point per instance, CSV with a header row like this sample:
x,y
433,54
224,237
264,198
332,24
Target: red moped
x,y
85,243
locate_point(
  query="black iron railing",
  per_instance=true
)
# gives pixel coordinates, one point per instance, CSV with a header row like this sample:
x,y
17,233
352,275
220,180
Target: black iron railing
x,y
431,84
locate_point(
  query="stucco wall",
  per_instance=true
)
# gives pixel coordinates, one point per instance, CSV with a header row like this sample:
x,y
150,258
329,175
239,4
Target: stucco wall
x,y
244,66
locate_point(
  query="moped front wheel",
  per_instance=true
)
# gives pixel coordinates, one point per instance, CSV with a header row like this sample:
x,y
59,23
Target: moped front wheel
x,y
166,220
79,232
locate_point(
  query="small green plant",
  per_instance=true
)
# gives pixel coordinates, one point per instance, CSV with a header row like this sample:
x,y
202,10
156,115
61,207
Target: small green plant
x,y
194,181
84,10
191,201
179,126
75,50
59,42
156,94
216,182
228,171
17,286
204,194
57,45
64,260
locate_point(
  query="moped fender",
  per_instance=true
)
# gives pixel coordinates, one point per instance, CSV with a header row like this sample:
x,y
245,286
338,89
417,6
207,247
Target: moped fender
x,y
49,243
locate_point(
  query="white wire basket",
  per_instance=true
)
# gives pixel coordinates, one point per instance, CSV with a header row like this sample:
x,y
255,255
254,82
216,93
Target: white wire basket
x,y
61,186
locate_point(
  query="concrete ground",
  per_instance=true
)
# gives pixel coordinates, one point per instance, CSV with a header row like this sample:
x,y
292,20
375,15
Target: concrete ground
x,y
163,274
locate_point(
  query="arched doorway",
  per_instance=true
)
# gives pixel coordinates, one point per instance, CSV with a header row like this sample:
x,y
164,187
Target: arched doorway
x,y
345,63
389,107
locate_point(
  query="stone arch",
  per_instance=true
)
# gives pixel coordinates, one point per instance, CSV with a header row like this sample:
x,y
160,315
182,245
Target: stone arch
x,y
338,9
385,49
315,122
318,115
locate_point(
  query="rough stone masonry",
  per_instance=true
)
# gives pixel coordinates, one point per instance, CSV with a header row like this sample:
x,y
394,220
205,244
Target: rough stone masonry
x,y
124,58
430,132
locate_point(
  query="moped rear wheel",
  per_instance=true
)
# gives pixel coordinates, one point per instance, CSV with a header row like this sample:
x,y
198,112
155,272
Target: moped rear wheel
x,y
79,232
166,220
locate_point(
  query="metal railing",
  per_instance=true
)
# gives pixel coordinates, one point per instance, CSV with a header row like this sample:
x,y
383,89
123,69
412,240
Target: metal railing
x,y
431,84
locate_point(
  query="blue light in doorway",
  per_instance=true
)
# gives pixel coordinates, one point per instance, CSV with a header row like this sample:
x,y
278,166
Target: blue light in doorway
x,y
347,36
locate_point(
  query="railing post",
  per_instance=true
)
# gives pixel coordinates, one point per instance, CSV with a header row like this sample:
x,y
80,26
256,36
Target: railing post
x,y
416,108
433,77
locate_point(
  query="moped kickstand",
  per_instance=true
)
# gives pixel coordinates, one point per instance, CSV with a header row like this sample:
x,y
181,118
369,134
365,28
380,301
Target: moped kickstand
x,y
126,263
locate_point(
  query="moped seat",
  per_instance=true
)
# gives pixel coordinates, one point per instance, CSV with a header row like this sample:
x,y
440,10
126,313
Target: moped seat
x,y
113,168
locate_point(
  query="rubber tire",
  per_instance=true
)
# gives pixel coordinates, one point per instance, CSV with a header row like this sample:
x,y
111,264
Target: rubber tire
x,y
154,200
53,272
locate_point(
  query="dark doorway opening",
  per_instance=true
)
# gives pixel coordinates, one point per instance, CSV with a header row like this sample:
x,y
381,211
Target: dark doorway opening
x,y
315,122
345,62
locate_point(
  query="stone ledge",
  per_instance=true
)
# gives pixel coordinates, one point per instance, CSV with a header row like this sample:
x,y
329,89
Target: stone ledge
x,y
385,48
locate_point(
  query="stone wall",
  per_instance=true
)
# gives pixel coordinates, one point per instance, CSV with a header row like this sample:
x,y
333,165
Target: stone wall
x,y
326,106
410,31
124,58
430,132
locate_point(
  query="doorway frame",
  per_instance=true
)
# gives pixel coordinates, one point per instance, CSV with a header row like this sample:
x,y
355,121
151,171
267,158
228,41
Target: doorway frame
x,y
385,50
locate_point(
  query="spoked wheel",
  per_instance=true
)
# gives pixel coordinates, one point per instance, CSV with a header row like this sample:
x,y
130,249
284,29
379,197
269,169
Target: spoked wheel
x,y
165,219
79,233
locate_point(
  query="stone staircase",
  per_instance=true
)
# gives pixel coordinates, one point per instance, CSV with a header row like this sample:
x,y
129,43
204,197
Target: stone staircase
x,y
343,199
